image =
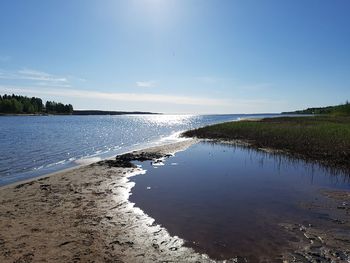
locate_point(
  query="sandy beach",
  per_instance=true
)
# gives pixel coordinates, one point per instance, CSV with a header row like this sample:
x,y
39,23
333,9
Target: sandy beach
x,y
83,215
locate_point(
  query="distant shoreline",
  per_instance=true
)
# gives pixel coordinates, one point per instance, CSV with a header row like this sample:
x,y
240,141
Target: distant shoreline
x,y
101,112
24,114
83,113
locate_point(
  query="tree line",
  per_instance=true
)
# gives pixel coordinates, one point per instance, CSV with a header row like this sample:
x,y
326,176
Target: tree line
x,y
24,105
338,110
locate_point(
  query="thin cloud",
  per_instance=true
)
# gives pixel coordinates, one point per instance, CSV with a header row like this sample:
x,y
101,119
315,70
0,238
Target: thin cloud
x,y
31,74
51,84
146,84
126,97
39,78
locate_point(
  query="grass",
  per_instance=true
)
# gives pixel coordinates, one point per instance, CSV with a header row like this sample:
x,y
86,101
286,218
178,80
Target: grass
x,y
322,138
338,110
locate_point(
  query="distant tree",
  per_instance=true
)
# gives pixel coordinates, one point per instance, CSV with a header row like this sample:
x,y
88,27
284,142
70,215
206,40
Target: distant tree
x,y
54,107
28,107
71,108
6,106
22,104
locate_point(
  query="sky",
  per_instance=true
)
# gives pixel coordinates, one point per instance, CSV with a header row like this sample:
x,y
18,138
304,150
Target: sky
x,y
185,56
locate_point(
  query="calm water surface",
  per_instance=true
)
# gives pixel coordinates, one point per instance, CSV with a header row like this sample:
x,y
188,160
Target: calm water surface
x,y
229,201
36,145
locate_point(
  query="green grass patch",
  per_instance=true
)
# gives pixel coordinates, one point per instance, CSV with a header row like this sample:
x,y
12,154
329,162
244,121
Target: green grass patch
x,y
338,110
324,138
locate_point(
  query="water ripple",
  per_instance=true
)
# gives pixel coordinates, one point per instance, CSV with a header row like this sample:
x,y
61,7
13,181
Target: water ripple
x,y
42,144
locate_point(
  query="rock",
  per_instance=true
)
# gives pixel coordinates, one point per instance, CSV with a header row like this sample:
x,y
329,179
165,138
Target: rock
x,y
125,160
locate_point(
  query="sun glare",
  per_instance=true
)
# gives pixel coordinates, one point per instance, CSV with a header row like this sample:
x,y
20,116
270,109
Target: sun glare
x,y
158,12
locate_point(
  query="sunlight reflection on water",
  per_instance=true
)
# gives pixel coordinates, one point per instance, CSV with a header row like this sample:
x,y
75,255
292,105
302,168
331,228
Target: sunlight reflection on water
x,y
37,145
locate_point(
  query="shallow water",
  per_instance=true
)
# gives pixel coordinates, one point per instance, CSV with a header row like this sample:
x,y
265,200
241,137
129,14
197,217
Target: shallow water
x,y
35,145
228,201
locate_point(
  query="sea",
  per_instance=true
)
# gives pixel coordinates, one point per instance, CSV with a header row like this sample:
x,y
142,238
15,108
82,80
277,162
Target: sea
x,y
33,146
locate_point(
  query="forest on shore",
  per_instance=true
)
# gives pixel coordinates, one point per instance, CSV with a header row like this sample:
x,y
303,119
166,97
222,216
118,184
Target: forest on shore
x,y
337,110
16,104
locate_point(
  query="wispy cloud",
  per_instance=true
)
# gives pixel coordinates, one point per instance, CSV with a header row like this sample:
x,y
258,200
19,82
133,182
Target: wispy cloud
x,y
126,97
36,77
146,84
31,74
53,84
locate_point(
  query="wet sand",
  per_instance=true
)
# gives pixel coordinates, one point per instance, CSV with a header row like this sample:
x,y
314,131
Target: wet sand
x,y
323,242
84,215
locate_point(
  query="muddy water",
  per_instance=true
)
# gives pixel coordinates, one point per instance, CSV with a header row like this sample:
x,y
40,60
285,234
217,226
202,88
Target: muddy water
x,y
229,201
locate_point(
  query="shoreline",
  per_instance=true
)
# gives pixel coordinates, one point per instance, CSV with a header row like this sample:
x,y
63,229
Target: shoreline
x,y
79,165
88,217
323,139
83,113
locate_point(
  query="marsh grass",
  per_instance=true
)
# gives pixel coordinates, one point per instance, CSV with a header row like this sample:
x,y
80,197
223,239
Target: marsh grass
x,y
322,138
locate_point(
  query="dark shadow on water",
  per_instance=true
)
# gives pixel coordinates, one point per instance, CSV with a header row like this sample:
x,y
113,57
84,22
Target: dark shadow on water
x,y
229,201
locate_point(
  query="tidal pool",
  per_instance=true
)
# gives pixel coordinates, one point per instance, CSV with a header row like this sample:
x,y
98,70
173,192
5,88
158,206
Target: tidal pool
x,y
229,201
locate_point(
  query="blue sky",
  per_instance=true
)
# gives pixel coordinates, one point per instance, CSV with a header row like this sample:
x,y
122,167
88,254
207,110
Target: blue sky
x,y
186,56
